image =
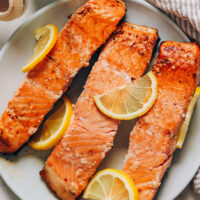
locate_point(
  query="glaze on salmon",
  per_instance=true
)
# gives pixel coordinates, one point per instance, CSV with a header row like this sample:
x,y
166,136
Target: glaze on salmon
x,y
90,134
84,33
154,137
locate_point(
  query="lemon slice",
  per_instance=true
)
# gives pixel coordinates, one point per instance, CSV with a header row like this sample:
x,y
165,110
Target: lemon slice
x,y
54,127
111,184
129,102
46,37
186,123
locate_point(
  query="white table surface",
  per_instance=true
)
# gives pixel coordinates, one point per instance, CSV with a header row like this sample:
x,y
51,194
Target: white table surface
x,y
6,29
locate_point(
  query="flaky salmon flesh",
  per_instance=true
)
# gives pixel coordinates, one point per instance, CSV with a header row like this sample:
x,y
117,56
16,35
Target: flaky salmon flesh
x,y
154,137
84,33
90,135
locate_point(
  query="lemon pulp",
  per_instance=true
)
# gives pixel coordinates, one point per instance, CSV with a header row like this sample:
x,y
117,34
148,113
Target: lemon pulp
x,y
46,37
54,127
129,102
188,116
111,184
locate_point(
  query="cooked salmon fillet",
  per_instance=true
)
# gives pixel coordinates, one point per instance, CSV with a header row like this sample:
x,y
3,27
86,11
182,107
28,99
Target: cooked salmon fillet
x,y
154,137
91,133
84,33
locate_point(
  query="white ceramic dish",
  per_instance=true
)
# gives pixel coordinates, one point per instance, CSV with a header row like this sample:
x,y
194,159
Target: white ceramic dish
x,y
21,171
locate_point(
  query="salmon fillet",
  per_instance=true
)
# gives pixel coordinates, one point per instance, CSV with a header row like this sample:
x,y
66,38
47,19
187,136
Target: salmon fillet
x,y
91,133
154,137
84,33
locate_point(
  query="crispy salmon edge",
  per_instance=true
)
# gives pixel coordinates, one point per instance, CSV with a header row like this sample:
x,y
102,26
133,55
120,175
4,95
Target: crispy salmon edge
x,y
4,146
198,59
50,177
179,125
57,185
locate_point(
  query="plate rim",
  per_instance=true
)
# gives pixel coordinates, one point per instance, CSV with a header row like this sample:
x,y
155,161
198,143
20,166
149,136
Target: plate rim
x,y
46,8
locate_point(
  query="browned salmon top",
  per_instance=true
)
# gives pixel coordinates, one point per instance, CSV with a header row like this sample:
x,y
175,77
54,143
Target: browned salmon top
x,y
153,139
84,33
90,135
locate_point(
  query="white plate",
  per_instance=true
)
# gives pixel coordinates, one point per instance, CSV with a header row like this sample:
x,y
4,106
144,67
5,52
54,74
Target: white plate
x,y
20,171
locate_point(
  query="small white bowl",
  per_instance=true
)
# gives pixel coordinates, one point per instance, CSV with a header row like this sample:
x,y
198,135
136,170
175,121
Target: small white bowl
x,y
12,9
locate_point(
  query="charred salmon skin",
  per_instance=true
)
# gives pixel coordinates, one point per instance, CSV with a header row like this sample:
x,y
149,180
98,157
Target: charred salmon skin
x,y
83,34
90,134
154,137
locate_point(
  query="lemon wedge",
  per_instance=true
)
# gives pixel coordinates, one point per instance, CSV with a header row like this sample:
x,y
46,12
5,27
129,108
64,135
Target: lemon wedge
x,y
188,116
46,37
111,184
54,127
129,102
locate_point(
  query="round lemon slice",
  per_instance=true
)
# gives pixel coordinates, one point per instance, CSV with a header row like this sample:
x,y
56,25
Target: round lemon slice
x,y
111,184
46,37
54,127
129,102
188,116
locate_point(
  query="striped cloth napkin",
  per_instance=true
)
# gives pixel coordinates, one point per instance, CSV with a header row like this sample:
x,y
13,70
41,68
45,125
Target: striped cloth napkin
x,y
186,13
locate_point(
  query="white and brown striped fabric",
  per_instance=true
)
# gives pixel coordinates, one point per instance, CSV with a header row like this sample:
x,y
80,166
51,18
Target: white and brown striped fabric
x,y
186,13
196,182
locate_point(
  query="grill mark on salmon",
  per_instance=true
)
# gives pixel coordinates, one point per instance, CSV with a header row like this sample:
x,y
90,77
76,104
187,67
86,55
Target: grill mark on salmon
x,y
91,133
84,33
154,137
